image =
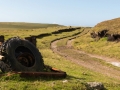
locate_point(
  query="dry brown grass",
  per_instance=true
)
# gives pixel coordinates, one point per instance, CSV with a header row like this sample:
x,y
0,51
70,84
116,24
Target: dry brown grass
x,y
113,26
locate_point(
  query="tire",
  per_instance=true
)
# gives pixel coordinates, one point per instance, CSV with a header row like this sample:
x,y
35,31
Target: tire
x,y
22,55
4,67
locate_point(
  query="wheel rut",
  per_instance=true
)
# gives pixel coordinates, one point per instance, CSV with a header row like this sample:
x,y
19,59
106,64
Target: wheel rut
x,y
92,62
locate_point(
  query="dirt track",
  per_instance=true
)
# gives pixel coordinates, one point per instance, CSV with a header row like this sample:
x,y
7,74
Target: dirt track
x,y
86,60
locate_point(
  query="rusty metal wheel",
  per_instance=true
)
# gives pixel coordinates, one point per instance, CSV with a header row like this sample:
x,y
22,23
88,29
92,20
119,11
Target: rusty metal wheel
x,y
26,59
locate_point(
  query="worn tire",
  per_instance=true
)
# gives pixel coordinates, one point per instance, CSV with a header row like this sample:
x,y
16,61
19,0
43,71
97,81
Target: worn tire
x,y
15,48
4,67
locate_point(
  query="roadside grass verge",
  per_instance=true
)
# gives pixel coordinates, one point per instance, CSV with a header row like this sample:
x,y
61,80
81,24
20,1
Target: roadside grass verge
x,y
75,72
101,47
45,41
64,41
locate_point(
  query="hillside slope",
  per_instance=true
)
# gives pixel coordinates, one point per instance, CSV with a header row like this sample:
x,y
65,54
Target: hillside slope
x,y
113,26
109,29
23,25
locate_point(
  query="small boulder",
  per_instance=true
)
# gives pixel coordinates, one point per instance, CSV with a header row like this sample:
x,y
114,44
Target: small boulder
x,y
94,86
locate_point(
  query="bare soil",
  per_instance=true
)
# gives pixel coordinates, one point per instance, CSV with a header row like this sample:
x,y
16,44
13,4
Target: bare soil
x,y
92,62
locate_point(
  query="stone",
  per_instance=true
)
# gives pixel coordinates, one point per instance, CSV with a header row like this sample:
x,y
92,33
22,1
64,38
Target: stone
x,y
94,86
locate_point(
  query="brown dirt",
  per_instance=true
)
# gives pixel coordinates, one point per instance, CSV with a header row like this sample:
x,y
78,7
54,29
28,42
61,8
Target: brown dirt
x,y
86,60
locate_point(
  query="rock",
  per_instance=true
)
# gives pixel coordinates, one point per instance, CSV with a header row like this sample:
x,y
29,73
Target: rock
x,y
65,81
94,86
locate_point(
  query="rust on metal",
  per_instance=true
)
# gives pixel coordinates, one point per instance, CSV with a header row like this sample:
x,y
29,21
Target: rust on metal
x,y
54,73
28,60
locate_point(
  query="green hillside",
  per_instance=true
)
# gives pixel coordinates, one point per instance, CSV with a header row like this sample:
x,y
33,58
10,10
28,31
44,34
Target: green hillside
x,y
113,26
23,25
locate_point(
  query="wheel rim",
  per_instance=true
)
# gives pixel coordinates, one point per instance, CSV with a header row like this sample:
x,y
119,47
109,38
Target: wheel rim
x,y
24,56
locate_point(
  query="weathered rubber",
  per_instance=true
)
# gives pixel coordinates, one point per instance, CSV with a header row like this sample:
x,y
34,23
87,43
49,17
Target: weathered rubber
x,y
8,51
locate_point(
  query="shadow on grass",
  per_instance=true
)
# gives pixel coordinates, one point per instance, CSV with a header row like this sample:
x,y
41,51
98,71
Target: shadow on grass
x,y
17,77
72,77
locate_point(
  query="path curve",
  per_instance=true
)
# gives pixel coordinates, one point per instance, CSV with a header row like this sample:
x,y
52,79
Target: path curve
x,y
83,59
112,61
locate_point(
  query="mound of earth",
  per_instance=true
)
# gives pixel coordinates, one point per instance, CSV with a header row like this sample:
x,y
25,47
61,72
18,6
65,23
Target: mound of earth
x,y
109,29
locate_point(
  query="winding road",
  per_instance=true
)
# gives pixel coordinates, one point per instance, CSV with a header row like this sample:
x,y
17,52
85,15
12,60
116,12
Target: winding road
x,y
86,60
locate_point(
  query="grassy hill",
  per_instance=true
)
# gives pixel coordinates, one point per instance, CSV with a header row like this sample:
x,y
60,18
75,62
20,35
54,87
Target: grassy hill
x,y
22,29
23,25
107,44
113,26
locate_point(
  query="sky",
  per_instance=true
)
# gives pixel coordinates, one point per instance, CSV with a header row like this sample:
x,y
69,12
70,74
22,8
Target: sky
x,y
63,12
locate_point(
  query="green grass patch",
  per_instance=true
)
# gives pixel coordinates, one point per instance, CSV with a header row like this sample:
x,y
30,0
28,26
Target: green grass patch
x,y
101,47
77,75
76,78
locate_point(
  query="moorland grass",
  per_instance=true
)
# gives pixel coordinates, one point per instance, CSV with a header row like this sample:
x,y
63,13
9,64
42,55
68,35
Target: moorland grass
x,y
100,47
75,79
75,72
24,25
113,26
8,33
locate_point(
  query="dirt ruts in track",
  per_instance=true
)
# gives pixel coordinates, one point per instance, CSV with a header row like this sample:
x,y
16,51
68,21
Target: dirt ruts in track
x,y
106,59
84,59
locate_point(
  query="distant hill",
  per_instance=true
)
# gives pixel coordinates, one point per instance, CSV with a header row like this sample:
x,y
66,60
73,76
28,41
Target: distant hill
x,y
113,26
20,25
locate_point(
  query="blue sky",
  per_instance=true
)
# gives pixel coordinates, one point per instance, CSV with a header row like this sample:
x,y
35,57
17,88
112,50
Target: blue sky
x,y
65,12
